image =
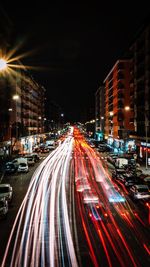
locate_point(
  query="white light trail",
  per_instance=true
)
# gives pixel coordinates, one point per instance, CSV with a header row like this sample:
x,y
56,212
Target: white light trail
x,y
42,222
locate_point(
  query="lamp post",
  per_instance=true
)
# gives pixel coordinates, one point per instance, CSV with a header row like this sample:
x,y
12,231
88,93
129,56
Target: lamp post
x,y
62,120
15,98
39,124
10,126
111,121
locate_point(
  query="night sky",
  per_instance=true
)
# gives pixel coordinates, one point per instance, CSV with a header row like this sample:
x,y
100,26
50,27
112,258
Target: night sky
x,y
76,44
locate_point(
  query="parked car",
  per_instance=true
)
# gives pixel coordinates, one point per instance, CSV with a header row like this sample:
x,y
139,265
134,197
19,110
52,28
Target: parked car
x,y
23,167
3,207
112,159
44,150
142,176
10,168
121,162
102,148
17,161
30,160
6,192
139,173
117,172
140,191
36,149
35,156
146,180
50,144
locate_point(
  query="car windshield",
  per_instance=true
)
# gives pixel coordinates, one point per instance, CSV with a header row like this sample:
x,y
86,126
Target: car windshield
x,y
4,189
23,165
120,171
142,190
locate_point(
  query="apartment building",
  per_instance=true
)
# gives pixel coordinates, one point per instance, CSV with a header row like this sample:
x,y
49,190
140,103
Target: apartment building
x,y
32,106
119,112
10,112
140,69
22,112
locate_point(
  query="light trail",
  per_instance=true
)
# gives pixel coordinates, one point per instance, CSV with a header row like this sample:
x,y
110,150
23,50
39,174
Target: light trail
x,y
116,236
45,232
43,223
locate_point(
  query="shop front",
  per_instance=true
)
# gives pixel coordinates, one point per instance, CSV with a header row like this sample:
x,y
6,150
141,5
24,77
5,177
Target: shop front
x,y
122,146
143,151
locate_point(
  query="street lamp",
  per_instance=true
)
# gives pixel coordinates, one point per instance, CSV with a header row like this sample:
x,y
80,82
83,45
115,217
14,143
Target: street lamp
x,y
127,108
111,113
3,64
39,124
15,97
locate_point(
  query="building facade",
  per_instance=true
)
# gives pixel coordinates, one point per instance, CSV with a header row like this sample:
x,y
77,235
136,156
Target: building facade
x,y
22,110
32,107
140,69
119,112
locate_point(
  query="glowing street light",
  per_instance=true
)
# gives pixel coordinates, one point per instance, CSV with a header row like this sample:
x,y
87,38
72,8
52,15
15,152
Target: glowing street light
x,y
3,64
15,97
127,108
111,113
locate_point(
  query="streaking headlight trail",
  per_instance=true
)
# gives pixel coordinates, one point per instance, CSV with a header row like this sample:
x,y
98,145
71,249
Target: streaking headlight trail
x,y
42,224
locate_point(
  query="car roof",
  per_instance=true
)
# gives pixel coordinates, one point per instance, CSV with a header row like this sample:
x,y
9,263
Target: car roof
x,y
4,185
140,186
2,199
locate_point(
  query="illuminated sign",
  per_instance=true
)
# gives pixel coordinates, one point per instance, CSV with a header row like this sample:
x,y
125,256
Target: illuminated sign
x,y
145,144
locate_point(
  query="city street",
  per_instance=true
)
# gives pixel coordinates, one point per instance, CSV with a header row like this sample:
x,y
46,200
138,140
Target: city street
x,y
74,134
67,215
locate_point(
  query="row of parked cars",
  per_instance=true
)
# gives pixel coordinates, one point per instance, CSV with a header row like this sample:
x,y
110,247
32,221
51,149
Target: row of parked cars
x,y
21,164
6,194
137,183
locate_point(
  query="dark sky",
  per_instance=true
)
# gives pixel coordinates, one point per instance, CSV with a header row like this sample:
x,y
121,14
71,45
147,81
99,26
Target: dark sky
x,y
77,44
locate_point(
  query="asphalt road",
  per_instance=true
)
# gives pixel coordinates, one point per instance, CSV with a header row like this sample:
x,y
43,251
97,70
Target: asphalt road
x,y
116,242
19,183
